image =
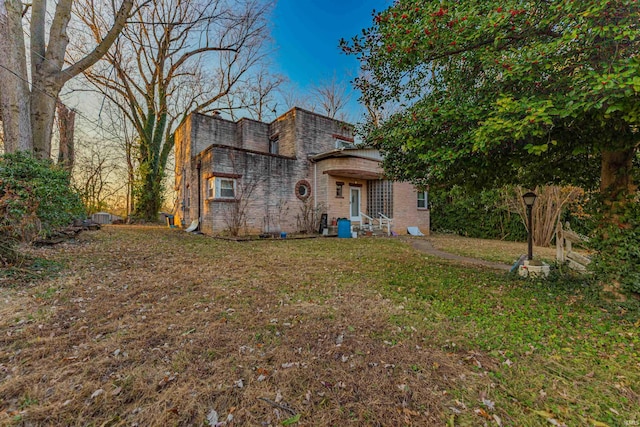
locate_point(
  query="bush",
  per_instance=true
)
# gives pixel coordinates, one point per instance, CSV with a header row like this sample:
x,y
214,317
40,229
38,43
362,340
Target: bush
x,y
478,214
617,260
35,198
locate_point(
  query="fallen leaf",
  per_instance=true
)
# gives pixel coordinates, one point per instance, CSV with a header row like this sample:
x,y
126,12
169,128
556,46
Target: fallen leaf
x,y
460,404
408,412
481,412
166,380
544,414
489,404
291,420
97,393
497,420
212,417
550,418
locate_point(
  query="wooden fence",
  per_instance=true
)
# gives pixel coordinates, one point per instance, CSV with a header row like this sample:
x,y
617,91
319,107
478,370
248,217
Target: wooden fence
x,y
565,238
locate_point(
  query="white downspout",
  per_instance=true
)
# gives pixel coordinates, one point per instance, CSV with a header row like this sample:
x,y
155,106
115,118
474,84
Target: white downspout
x,y
315,186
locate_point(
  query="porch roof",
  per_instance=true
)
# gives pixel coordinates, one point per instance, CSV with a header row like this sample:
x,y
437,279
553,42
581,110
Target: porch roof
x,y
362,153
360,163
354,173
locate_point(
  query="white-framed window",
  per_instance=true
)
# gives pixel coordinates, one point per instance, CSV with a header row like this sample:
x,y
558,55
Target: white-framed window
x,y
423,200
221,188
274,146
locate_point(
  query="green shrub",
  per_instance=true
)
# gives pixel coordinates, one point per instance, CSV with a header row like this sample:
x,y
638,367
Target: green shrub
x,y
35,198
474,214
617,260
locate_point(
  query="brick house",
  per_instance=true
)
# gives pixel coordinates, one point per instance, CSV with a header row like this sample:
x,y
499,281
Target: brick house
x,y
271,177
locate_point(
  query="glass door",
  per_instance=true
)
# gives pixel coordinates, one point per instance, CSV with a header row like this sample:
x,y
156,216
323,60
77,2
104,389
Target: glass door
x,y
354,205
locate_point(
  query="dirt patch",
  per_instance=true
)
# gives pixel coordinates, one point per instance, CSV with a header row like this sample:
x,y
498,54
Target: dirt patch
x,y
157,327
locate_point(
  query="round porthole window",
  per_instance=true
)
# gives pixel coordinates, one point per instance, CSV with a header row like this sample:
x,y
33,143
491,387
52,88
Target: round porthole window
x,y
303,190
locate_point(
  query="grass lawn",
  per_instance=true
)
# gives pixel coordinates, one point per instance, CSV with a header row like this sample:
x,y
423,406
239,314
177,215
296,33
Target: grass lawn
x,y
152,326
490,250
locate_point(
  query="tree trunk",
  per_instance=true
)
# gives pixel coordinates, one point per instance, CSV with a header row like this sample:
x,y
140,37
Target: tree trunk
x,y
28,112
14,105
616,182
66,126
43,109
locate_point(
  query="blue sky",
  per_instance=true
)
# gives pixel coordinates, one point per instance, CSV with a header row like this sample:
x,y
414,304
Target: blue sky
x,y
307,33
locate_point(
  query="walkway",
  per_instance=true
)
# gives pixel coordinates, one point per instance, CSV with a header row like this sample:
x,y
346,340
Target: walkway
x,y
426,246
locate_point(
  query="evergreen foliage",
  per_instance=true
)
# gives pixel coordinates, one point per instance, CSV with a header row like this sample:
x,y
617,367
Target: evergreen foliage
x,y
35,197
474,214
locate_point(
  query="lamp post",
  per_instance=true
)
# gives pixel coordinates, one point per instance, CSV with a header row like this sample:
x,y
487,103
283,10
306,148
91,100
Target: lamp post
x,y
529,199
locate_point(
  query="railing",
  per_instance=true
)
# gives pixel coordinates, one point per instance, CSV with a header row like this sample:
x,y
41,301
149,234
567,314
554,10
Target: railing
x,y
565,237
368,223
385,221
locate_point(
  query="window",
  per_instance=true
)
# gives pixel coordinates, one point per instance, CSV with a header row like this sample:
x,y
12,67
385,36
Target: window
x,y
423,201
303,190
339,186
380,198
273,146
221,188
341,143
211,188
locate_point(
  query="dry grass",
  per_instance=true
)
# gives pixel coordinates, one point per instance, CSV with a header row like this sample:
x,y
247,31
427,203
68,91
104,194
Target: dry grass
x,y
489,250
156,327
151,326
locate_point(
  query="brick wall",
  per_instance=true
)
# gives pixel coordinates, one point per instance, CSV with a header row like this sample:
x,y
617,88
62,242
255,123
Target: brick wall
x,y
265,186
207,130
242,149
405,209
252,135
183,170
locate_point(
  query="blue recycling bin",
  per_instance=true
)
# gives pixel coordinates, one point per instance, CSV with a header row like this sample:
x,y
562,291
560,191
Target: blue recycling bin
x,y
344,228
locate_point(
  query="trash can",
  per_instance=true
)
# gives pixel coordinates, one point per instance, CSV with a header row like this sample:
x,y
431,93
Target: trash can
x,y
344,228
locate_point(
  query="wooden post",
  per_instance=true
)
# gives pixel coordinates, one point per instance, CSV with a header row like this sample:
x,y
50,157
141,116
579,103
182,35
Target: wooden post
x,y
559,243
568,241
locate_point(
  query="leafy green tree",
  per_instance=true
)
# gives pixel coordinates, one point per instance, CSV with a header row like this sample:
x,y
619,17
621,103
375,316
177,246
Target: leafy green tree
x,y
507,91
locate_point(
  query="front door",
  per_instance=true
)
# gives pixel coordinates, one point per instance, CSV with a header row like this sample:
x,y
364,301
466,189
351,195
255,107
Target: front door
x,y
354,205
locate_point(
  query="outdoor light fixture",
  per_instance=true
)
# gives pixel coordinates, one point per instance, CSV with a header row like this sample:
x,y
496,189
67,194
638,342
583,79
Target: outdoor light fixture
x,y
529,199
